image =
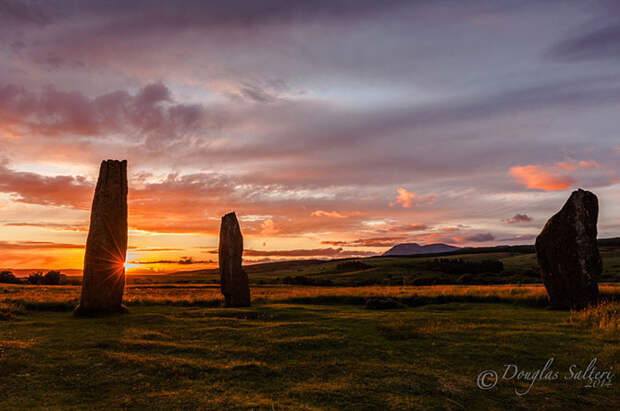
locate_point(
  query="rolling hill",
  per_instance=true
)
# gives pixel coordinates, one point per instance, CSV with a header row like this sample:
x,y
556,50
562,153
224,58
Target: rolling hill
x,y
415,248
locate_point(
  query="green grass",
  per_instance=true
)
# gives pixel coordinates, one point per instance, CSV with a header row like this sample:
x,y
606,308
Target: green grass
x,y
285,356
307,347
18,298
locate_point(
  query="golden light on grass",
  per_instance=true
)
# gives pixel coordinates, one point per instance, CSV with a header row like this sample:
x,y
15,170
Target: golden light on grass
x,y
204,295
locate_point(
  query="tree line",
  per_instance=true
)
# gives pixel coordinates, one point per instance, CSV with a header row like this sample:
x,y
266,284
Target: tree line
x,y
35,278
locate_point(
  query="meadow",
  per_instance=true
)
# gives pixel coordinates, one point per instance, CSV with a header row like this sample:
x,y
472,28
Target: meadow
x,y
301,347
338,346
65,298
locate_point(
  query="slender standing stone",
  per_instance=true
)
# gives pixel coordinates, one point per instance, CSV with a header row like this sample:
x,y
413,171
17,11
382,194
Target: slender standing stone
x,y
106,246
568,255
233,280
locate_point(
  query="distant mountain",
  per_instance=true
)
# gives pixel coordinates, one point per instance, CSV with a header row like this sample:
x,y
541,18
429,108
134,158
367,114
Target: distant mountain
x,y
414,248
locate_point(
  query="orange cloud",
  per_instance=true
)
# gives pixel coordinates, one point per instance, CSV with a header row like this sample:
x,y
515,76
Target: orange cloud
x,y
268,227
37,245
572,164
589,164
553,177
404,198
541,178
52,226
331,214
407,199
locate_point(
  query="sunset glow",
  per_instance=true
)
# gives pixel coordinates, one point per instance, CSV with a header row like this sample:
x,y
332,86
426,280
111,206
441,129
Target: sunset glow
x,y
331,134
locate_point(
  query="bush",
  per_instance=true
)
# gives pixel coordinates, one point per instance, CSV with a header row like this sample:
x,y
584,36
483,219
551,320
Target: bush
x,y
7,277
35,278
51,278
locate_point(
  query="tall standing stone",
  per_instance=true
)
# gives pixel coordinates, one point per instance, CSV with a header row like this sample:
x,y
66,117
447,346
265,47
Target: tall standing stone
x,y
106,246
233,279
568,254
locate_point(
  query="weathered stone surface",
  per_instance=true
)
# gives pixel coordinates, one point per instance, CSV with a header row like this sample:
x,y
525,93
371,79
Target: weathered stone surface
x,y
106,246
568,254
233,279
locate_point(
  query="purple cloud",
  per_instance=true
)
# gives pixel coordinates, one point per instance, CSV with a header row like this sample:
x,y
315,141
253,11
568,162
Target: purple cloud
x,y
519,218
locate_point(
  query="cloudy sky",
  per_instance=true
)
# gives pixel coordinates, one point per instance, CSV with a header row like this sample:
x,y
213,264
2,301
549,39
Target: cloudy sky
x,y
333,128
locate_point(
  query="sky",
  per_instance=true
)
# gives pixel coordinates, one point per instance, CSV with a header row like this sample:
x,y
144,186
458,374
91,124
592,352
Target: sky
x,y
332,128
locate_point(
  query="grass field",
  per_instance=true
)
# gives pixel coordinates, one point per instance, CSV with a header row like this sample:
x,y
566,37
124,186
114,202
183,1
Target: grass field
x,y
380,346
65,298
300,348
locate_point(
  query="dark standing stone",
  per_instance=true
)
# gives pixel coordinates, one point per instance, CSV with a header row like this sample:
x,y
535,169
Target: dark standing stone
x,y
106,246
568,254
233,280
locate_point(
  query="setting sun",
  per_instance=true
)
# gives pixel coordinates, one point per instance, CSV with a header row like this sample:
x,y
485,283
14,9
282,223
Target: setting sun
x,y
129,267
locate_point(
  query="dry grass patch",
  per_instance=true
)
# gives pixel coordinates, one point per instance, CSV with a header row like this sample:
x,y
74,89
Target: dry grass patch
x,y
605,316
